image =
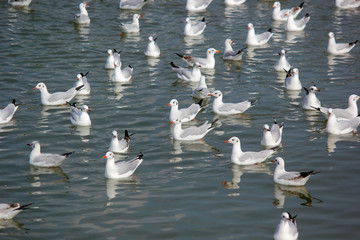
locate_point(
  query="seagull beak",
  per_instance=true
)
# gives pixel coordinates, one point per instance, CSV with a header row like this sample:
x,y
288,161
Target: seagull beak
x,y
104,156
89,110
249,27
232,41
169,104
273,160
217,51
286,14
34,87
28,144
86,4
273,6
227,141
141,15
210,94
171,121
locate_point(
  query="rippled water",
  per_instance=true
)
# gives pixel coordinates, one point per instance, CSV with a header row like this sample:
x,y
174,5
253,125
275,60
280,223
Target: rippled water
x,y
179,190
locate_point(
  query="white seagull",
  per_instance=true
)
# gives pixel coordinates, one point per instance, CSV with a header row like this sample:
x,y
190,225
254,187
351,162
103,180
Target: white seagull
x,y
186,74
197,5
272,138
184,114
221,108
191,133
82,80
194,29
133,27
292,81
152,49
253,39
79,117
39,159
110,60
230,54
82,17
123,169
293,25
208,62
346,4
234,2
280,14
122,145
339,48
7,113
310,101
202,91
9,211
281,176
341,126
19,3
121,75
287,228
132,4
246,158
282,63
57,98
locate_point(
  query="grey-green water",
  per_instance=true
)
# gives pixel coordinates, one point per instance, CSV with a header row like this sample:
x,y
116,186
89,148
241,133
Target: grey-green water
x,y
178,192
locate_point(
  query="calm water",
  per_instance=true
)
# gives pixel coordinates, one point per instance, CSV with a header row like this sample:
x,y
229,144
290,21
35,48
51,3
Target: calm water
x,y
178,192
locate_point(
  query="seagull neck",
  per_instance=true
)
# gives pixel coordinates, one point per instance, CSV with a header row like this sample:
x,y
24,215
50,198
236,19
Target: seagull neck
x,y
228,47
83,11
236,150
202,83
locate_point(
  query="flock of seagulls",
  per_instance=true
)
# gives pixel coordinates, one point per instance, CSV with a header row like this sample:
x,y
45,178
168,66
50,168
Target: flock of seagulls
x,y
340,121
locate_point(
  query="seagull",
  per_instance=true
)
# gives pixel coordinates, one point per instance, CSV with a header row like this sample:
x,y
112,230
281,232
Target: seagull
x,y
230,54
246,158
116,56
282,64
292,81
184,114
121,169
346,4
279,14
287,229
208,62
133,27
110,60
152,49
80,117
57,98
82,17
7,113
253,39
191,133
197,5
121,75
194,29
121,146
343,113
293,24
272,138
132,4
9,211
310,101
281,176
82,80
190,75
202,91
39,159
221,108
341,126
234,2
19,3
339,48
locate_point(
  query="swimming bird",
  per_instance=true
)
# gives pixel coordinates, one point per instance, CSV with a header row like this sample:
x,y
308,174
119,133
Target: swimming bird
x,y
57,98
202,91
234,2
194,29
310,101
208,62
280,14
132,4
186,74
282,63
123,169
287,228
19,3
121,75
80,117
7,113
197,5
133,27
191,133
110,60
247,158
152,49
341,126
221,108
346,4
122,145
230,54
292,81
293,25
253,39
272,138
183,114
281,176
9,211
339,48
83,16
39,159
82,80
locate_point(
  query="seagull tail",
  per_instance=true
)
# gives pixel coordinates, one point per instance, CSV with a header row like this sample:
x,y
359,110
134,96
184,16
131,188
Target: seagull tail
x,y
67,154
24,206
